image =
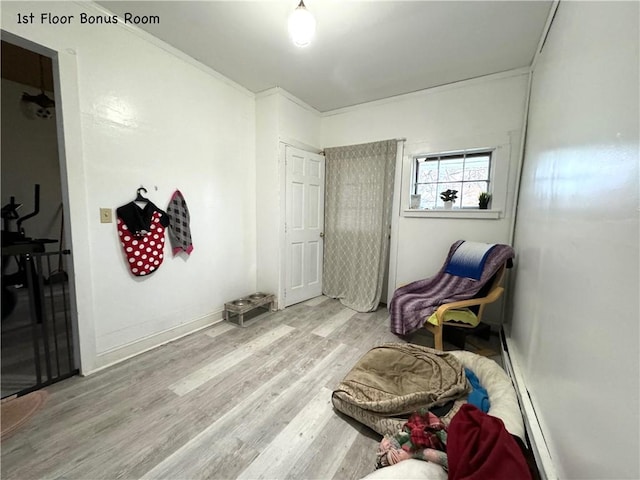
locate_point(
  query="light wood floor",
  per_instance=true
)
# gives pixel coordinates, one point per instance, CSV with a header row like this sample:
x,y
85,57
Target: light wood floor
x,y
224,403
17,364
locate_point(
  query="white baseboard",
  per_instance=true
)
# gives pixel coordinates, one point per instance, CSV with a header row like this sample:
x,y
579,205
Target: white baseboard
x,y
536,438
124,352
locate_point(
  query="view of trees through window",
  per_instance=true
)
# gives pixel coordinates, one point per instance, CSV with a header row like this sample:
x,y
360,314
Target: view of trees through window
x,y
468,173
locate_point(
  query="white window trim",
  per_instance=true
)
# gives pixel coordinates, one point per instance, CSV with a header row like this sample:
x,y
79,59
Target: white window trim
x,y
459,213
439,156
499,177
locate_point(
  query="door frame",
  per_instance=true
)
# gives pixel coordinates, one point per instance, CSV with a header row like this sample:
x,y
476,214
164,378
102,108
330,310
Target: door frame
x,y
283,143
74,195
396,213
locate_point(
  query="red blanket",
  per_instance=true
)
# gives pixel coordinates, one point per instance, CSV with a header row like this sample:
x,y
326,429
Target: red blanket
x,y
480,448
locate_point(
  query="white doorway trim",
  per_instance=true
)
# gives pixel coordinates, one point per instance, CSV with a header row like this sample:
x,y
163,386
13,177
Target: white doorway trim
x,y
285,143
396,208
74,194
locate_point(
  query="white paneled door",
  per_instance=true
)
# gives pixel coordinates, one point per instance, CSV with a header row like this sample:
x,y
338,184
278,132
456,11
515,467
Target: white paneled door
x,y
304,225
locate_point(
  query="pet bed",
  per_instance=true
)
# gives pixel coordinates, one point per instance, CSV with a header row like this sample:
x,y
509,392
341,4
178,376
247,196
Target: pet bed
x,y
395,379
502,397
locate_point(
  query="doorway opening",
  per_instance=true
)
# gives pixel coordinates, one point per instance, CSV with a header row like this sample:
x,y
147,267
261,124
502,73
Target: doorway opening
x,y
38,338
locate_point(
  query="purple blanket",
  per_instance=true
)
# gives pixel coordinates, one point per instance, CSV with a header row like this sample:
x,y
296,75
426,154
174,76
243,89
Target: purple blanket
x,y
412,304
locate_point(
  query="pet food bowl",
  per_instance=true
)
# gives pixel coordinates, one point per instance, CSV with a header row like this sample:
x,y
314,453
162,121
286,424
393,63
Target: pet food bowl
x,y
241,302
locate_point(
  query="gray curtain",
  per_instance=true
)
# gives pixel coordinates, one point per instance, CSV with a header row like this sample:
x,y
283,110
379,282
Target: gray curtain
x,y
358,197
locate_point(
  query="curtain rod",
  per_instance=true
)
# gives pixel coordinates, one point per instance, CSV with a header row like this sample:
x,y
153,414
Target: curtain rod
x,y
321,152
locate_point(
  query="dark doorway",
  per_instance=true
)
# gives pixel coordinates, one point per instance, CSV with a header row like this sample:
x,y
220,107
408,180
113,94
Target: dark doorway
x,y
37,335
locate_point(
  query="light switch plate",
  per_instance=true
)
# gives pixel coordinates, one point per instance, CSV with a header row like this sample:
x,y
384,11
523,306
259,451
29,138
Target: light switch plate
x,y
106,215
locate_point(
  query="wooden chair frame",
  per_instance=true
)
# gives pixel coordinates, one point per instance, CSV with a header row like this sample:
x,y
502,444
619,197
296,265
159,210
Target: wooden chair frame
x,y
495,292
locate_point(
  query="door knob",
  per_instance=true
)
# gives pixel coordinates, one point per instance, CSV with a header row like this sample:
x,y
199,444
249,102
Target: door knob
x,y
321,234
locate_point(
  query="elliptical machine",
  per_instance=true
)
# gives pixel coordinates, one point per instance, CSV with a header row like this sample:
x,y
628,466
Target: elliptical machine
x,y
16,245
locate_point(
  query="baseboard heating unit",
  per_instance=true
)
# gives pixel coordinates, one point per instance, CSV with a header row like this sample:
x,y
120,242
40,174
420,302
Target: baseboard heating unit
x,y
536,439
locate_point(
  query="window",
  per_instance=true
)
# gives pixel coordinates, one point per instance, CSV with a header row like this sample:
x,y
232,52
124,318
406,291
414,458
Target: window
x,y
467,172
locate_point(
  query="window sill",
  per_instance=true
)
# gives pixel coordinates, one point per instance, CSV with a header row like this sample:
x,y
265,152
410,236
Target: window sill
x,y
455,213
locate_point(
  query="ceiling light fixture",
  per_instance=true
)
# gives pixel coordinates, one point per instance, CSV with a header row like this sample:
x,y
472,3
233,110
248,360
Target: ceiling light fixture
x,y
302,25
39,105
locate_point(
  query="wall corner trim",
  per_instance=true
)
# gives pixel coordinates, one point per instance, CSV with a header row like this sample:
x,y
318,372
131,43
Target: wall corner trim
x,y
545,32
289,96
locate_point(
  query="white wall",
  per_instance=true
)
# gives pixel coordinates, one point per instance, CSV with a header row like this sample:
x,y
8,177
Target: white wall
x,y
299,124
267,194
485,112
135,113
576,313
30,156
281,119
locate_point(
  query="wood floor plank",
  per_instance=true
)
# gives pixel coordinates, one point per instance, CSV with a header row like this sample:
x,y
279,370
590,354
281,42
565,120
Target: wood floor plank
x,y
248,395
292,353
325,455
153,368
231,458
140,441
220,328
361,456
284,406
198,452
314,302
90,402
308,318
330,324
114,440
288,446
215,368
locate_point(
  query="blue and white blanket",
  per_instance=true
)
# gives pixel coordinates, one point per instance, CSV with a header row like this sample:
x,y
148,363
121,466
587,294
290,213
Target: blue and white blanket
x,y
468,259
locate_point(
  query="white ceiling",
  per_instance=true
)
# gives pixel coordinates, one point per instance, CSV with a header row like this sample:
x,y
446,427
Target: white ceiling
x,y
363,50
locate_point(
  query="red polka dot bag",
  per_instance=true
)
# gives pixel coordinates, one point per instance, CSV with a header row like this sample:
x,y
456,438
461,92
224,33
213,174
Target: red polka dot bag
x,y
141,232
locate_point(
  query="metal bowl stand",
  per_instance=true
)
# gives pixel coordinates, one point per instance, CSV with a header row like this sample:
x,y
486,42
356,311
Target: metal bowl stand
x,y
245,304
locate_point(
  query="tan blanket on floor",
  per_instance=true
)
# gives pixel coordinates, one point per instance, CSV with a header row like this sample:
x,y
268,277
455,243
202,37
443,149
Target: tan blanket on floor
x,y
400,378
